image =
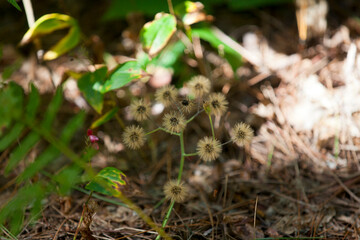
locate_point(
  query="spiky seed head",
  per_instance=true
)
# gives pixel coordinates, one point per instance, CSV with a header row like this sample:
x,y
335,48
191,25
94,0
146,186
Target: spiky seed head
x,y
209,149
217,103
175,191
199,86
187,105
167,95
140,110
134,137
241,134
174,122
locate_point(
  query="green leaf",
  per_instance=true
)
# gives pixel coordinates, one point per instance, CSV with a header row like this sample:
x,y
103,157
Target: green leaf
x,y
9,70
52,109
52,153
20,152
11,136
11,99
207,34
14,210
67,179
15,4
108,181
48,155
190,12
33,104
169,56
50,23
121,76
155,34
106,117
88,82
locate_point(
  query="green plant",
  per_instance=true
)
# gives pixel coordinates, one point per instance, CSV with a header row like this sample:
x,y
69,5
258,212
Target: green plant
x,y
175,123
22,131
164,41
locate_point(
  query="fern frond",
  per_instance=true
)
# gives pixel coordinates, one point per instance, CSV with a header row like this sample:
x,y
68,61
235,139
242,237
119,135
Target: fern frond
x,y
24,127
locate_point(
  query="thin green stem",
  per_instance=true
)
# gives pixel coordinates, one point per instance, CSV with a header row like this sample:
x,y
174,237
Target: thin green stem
x,y
182,147
120,122
173,133
212,126
190,154
105,199
182,160
155,130
194,116
167,217
226,142
160,203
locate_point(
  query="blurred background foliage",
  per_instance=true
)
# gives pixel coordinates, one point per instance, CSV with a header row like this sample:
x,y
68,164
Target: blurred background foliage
x,y
120,8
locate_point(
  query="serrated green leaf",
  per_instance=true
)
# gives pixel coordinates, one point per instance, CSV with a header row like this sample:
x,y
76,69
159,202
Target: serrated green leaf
x,y
11,99
20,152
51,153
33,104
50,23
17,219
9,70
89,85
123,75
47,156
108,181
106,117
72,126
155,34
207,34
11,136
68,178
52,109
14,210
15,4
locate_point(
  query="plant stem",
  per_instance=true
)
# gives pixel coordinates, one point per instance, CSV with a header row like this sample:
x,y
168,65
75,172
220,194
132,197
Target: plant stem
x,y
182,147
142,215
29,12
82,216
155,130
171,8
166,217
195,115
212,126
121,123
226,142
190,154
173,133
182,160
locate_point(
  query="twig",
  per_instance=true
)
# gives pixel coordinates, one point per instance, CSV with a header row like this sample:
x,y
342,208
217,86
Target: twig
x,y
345,187
256,204
209,212
254,60
199,55
171,8
57,232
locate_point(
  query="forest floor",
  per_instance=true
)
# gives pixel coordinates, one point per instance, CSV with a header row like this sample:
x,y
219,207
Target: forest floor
x,y
300,176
